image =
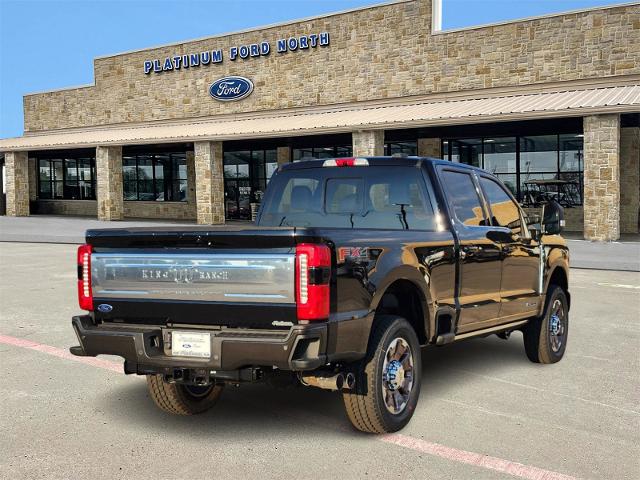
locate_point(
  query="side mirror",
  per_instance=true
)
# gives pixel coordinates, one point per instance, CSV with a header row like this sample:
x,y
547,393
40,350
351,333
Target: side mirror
x,y
552,218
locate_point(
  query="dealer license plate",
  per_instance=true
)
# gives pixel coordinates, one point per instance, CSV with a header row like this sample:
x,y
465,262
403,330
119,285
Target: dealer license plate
x,y
191,344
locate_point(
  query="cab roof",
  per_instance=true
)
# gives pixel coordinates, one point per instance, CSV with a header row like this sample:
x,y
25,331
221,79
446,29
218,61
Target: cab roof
x,y
386,161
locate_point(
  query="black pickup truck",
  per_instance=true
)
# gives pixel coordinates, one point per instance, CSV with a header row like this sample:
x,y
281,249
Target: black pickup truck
x,y
353,265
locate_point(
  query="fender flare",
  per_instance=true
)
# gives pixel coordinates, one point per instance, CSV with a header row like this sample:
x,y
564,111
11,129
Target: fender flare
x,y
414,276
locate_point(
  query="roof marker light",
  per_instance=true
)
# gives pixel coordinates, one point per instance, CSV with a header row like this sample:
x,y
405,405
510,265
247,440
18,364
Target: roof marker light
x,y
346,162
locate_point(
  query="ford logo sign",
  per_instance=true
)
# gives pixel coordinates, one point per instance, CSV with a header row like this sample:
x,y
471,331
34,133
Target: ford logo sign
x,y
228,89
104,308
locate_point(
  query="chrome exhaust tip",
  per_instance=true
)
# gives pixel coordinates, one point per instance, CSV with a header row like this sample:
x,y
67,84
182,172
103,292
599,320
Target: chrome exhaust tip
x,y
333,382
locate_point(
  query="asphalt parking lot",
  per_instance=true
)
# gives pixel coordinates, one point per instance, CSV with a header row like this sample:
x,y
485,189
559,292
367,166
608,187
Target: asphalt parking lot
x,y
485,410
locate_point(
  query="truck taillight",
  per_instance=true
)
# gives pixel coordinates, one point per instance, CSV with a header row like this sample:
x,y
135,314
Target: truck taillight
x,y
85,295
313,273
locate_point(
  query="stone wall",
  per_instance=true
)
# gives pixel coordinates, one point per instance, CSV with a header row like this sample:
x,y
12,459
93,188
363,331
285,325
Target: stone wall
x,y
283,155
172,210
375,53
17,183
85,208
629,179
602,177
430,147
368,143
209,183
109,189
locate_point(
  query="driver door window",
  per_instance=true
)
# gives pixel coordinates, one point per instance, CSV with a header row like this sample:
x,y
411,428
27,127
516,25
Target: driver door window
x,y
504,211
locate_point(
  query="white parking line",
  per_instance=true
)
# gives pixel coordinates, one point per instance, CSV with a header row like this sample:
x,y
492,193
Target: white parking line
x,y
618,285
435,449
550,392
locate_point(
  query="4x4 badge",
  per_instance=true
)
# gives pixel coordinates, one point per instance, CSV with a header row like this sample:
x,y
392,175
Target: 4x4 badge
x,y
355,253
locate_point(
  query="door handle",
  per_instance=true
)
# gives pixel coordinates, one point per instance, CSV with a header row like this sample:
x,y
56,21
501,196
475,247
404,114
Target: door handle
x,y
470,250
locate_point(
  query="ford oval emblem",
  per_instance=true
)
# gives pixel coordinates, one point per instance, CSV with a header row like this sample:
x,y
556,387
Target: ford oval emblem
x,y
228,89
104,308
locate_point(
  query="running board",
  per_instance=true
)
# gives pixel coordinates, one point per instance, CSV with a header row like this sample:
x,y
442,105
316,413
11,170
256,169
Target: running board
x,y
489,331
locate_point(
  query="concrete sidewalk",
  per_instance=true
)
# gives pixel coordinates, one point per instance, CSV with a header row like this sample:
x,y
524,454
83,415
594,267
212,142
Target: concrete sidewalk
x,y
623,255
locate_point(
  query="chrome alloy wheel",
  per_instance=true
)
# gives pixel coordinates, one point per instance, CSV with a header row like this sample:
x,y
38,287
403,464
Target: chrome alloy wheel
x,y
557,325
397,376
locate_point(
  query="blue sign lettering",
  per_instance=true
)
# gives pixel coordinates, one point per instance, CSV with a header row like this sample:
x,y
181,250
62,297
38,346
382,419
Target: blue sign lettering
x,y
189,60
228,89
216,56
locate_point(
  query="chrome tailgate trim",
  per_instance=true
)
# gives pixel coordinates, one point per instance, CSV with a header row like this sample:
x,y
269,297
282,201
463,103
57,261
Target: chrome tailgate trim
x,y
215,277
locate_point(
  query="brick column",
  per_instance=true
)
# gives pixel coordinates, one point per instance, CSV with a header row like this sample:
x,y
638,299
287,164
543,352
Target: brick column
x,y
602,177
629,179
283,155
429,147
109,182
17,183
368,143
209,183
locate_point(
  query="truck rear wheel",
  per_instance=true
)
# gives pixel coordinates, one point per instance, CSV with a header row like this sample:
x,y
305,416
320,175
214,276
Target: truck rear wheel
x,y
545,337
387,380
182,399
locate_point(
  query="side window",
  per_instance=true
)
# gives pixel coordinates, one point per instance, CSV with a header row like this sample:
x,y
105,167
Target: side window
x,y
504,210
463,198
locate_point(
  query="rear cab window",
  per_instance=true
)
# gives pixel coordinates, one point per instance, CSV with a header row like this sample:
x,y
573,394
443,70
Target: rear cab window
x,y
391,198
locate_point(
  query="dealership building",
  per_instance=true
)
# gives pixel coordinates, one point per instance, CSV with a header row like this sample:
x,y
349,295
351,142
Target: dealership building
x,y
194,130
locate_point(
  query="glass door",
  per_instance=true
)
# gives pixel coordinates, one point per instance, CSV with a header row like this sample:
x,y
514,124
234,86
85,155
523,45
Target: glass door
x,y
246,174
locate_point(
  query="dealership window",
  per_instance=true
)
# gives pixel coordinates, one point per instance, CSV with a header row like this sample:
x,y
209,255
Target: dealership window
x,y
246,175
408,148
155,176
534,167
308,153
68,176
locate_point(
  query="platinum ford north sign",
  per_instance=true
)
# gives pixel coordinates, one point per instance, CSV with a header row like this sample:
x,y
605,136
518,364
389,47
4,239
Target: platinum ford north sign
x,y
228,89
243,52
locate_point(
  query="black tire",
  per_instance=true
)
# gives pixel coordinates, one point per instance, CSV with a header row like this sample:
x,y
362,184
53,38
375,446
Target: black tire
x,y
365,406
182,399
540,343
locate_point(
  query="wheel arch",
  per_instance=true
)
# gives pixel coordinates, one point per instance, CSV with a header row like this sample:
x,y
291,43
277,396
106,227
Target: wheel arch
x,y
558,275
406,298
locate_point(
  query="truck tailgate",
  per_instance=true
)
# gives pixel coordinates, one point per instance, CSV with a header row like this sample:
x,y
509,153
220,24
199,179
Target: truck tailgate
x,y
234,278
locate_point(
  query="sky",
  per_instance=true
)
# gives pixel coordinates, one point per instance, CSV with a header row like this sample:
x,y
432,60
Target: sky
x,y
50,44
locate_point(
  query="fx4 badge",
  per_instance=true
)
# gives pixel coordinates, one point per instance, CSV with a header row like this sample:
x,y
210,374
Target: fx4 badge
x,y
352,253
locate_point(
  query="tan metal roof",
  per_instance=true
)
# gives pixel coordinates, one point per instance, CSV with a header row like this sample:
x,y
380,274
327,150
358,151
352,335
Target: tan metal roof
x,y
575,102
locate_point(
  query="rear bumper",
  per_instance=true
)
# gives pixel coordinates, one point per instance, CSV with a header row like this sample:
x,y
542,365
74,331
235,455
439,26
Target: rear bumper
x,y
302,347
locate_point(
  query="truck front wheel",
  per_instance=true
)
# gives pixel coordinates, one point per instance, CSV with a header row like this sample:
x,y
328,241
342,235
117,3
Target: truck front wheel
x,y
545,337
388,379
182,399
